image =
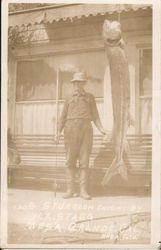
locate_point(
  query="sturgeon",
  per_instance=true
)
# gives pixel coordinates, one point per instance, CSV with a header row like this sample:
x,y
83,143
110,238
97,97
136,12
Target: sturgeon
x,y
120,91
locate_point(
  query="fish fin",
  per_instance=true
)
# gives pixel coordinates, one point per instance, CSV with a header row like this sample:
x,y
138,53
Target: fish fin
x,y
114,169
111,171
122,170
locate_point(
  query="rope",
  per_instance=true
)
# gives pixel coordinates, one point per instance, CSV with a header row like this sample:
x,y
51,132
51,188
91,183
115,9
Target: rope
x,y
56,128
119,13
55,181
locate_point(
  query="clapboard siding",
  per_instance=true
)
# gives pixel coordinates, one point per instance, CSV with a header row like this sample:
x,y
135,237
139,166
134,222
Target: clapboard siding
x,y
42,159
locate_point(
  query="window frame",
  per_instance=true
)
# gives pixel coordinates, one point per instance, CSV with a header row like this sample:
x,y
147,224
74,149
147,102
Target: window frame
x,y
35,58
140,48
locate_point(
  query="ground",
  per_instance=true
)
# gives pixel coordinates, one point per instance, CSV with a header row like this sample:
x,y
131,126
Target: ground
x,y
38,217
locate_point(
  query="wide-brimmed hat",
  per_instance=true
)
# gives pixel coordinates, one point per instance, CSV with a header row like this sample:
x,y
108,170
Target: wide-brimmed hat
x,y
79,77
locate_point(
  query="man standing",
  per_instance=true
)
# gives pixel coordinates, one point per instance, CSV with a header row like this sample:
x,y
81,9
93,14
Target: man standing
x,y
78,112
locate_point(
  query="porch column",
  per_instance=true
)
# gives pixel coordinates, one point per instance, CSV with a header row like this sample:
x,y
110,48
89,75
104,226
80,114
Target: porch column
x,y
11,95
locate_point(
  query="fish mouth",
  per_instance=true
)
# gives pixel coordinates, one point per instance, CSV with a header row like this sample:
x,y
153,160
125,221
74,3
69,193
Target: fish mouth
x,y
113,41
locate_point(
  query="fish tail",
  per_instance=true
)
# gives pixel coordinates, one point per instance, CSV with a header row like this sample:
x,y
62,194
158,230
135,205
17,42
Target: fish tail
x,y
111,171
115,168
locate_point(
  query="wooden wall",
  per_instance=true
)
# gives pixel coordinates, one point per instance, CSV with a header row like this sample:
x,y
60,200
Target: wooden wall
x,y
37,117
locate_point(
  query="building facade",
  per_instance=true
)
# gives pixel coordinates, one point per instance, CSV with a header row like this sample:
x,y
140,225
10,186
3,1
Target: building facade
x,y
51,43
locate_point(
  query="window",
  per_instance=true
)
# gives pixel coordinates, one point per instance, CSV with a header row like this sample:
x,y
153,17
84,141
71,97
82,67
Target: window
x,y
146,72
145,90
93,63
37,80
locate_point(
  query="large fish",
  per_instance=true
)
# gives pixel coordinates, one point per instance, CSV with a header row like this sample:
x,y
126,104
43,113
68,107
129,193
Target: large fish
x,y
120,90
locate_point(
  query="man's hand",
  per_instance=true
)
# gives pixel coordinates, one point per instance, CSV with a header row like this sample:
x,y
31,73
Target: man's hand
x,y
131,121
107,135
57,138
99,126
104,131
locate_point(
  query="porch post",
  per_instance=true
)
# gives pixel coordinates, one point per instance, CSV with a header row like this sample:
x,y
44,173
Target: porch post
x,y
12,68
57,101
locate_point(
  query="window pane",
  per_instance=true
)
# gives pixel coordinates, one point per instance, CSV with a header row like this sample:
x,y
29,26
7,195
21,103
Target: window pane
x,y
146,91
66,87
36,80
93,63
146,72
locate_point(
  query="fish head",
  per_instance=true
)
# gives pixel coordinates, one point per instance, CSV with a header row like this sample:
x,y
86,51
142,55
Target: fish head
x,y
111,31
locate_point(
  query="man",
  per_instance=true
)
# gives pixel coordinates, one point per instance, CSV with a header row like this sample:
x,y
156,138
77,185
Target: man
x,y
78,112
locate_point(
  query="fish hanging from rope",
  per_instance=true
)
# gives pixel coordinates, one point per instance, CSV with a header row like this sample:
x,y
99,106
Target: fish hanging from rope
x,y
120,91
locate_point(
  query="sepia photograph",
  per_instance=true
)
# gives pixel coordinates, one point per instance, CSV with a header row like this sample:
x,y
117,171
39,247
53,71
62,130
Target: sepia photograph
x,y
81,113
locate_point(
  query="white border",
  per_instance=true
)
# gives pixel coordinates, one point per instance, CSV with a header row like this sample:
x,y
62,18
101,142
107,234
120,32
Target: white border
x,y
156,151
156,127
4,124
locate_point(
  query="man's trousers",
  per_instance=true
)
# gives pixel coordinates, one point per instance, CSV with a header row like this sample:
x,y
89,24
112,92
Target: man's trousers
x,y
78,137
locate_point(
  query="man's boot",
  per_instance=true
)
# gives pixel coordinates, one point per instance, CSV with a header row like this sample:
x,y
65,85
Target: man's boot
x,y
70,174
83,184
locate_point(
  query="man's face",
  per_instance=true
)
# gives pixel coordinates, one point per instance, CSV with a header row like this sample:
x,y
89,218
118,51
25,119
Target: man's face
x,y
78,85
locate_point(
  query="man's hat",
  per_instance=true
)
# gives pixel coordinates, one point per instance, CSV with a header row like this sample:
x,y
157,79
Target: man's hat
x,y
79,77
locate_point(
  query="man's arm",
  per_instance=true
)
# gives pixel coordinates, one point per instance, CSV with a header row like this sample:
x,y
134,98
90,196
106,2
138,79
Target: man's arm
x,y
62,120
99,126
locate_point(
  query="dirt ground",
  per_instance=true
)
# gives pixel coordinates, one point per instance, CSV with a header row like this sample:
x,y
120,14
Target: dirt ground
x,y
37,217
